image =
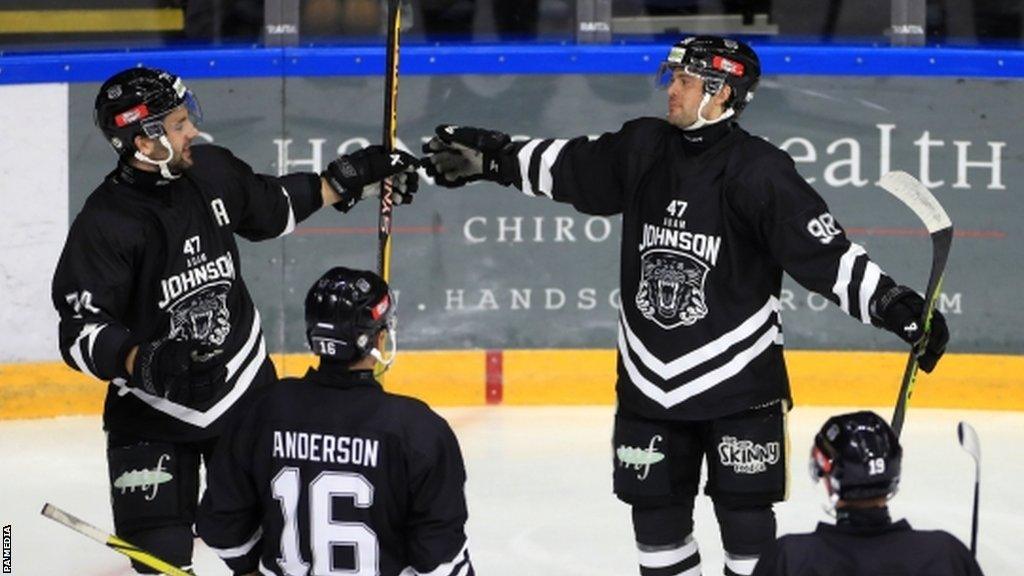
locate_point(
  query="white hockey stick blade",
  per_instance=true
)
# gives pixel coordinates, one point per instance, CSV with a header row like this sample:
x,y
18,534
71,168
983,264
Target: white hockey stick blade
x,y
969,440
80,526
911,192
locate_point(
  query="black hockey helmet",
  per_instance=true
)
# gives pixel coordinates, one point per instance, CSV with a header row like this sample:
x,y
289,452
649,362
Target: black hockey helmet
x,y
717,61
859,455
345,311
133,103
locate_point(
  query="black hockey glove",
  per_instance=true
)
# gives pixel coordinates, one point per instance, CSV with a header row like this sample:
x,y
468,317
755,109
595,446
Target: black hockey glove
x,y
899,310
458,155
176,370
359,175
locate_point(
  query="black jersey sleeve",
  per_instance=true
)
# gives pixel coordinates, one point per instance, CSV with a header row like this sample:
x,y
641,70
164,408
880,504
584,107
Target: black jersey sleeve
x,y
229,513
785,214
592,175
91,289
264,206
436,542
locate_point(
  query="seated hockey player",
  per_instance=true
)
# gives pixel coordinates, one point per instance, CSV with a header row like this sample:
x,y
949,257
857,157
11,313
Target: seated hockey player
x,y
330,474
858,457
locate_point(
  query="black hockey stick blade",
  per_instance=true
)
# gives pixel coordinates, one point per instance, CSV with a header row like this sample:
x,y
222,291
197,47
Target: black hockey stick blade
x,y
969,440
111,541
390,138
919,199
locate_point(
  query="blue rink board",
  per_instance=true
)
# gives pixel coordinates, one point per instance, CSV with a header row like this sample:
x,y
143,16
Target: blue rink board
x,y
502,59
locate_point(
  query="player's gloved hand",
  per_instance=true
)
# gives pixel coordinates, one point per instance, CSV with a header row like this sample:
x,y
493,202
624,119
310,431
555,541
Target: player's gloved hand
x,y
457,155
899,310
177,370
360,174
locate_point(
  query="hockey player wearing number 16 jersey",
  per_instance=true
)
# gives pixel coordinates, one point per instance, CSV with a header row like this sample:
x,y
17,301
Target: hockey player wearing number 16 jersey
x,y
712,217
151,296
330,474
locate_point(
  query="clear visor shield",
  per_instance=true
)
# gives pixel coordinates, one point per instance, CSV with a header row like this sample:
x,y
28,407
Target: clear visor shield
x,y
154,127
713,80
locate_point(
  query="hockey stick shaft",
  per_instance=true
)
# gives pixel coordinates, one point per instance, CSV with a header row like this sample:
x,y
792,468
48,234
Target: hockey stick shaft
x,y
968,438
111,541
917,197
390,138
974,517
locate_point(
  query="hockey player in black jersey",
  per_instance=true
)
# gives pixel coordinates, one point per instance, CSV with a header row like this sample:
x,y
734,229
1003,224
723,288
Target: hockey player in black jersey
x,y
151,298
711,219
332,473
857,456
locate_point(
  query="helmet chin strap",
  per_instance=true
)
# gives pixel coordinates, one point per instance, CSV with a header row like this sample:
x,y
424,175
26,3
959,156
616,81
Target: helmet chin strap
x,y
385,362
701,121
162,164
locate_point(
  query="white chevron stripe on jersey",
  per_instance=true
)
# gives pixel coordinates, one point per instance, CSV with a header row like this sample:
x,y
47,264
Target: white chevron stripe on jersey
x,y
547,160
266,571
708,351
842,285
290,225
708,380
665,558
868,285
243,353
524,166
245,378
240,550
89,333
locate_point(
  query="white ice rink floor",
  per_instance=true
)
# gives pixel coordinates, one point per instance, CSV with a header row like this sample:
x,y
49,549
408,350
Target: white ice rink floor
x,y
539,491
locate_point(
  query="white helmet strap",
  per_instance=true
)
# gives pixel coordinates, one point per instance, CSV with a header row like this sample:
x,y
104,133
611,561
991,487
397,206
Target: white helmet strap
x,y
385,361
701,121
162,164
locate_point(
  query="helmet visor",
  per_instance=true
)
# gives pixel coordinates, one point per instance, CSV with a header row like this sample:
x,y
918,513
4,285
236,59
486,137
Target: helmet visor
x,y
713,80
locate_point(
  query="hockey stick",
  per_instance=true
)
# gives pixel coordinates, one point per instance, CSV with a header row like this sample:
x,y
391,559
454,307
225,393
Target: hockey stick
x,y
111,541
916,196
390,138
969,440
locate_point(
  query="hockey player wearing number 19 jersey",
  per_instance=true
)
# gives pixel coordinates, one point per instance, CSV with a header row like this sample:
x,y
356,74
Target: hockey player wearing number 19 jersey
x,y
711,219
151,297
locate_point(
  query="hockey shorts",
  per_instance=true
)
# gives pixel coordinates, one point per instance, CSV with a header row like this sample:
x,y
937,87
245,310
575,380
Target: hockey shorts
x,y
154,492
658,462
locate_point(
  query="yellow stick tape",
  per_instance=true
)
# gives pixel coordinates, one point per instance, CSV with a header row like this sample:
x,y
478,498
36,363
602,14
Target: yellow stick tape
x,y
569,377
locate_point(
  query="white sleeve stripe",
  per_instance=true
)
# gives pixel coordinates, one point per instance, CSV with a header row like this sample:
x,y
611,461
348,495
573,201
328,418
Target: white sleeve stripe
x,y
241,550
266,571
524,166
454,567
89,333
290,225
666,558
842,284
547,160
872,274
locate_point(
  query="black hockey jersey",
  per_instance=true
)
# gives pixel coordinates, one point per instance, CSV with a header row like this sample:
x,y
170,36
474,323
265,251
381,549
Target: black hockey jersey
x,y
868,550
332,472
150,258
706,237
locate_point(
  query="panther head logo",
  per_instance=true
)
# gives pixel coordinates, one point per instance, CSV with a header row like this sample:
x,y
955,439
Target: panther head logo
x,y
671,291
203,318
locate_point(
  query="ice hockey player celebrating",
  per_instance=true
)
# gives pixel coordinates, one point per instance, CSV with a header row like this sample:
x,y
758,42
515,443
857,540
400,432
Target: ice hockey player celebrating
x,y
857,456
329,471
711,218
151,298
